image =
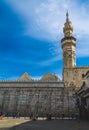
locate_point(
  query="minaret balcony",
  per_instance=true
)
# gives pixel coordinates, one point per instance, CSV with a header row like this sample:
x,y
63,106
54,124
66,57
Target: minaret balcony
x,y
68,40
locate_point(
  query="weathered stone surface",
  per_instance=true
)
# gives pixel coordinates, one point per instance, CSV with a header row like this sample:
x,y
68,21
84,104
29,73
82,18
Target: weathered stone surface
x,y
39,97
73,76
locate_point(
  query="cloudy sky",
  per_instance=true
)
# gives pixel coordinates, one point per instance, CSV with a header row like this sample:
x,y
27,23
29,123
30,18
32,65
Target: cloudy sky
x,y
30,35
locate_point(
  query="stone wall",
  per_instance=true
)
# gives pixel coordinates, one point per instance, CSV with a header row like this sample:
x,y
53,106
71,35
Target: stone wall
x,y
73,76
38,97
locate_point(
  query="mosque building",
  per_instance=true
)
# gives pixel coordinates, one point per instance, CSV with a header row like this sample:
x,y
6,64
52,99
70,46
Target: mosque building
x,y
50,94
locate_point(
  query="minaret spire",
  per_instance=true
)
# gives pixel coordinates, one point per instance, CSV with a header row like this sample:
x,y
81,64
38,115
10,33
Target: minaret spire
x,y
67,16
68,28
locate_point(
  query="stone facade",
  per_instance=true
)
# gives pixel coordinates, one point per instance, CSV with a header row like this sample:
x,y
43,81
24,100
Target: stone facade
x,y
73,76
39,97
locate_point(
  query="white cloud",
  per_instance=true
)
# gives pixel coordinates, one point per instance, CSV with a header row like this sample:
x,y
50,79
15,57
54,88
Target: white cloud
x,y
49,61
83,52
46,16
45,19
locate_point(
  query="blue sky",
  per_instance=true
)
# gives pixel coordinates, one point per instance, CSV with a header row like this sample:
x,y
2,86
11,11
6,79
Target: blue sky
x,y
30,35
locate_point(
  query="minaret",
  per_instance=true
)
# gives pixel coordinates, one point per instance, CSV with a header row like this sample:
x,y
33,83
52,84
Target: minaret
x,y
68,45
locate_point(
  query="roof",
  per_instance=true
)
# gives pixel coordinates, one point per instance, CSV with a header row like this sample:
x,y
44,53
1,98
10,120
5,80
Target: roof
x,y
25,77
48,76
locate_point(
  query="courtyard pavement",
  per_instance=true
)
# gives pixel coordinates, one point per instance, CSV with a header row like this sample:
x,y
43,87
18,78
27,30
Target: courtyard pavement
x,y
26,124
